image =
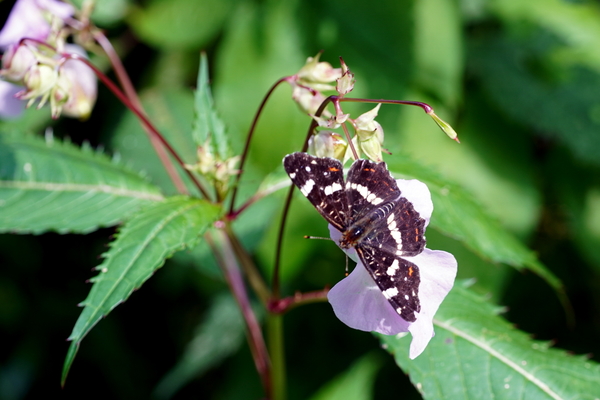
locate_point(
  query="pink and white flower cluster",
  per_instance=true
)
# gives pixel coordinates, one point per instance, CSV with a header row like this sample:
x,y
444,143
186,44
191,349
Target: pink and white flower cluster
x,y
33,67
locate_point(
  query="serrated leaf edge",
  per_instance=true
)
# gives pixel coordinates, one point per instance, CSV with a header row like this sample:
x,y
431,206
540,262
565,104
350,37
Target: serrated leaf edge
x,y
94,317
490,350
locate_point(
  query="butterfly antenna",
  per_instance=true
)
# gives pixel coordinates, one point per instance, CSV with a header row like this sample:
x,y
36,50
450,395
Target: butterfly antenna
x,y
317,237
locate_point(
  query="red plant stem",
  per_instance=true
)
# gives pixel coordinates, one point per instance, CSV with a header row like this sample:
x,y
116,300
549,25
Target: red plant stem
x,y
286,207
244,155
426,107
145,122
283,305
235,281
131,94
154,133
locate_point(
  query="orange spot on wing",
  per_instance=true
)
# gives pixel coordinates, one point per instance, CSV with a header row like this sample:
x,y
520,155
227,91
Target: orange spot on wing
x,y
411,271
334,169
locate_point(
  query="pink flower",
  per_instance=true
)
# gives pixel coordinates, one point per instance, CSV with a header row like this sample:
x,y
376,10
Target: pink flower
x,y
83,85
30,19
359,303
69,86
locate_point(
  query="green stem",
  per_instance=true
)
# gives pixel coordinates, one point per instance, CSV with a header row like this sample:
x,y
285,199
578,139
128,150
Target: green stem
x,y
277,353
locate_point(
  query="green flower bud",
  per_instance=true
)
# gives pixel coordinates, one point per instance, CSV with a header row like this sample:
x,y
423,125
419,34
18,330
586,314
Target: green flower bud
x,y
16,62
327,144
345,83
316,75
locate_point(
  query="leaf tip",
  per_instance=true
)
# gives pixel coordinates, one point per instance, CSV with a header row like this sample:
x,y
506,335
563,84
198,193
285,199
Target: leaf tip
x,y
73,348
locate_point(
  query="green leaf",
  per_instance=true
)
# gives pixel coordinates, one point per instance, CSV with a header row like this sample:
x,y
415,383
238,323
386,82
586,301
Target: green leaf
x,y
519,76
475,354
142,245
577,24
457,215
172,113
217,337
51,185
355,383
180,23
208,125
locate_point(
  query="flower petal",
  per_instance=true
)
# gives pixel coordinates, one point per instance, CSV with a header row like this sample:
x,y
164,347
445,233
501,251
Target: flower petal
x,y
82,95
437,270
418,194
10,106
26,20
358,302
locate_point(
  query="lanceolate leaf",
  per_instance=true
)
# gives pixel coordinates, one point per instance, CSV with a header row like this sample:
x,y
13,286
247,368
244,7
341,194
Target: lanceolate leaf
x,y
207,125
142,245
51,185
458,215
475,354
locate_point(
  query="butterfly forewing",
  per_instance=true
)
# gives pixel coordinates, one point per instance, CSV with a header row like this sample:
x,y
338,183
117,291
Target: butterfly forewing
x,y
368,186
376,200
321,180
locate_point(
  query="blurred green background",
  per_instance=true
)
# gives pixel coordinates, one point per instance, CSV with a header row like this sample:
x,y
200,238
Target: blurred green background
x,y
518,80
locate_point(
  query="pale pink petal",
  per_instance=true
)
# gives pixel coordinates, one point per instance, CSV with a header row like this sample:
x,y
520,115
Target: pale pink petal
x,y
437,270
26,20
84,84
58,8
10,106
418,194
358,302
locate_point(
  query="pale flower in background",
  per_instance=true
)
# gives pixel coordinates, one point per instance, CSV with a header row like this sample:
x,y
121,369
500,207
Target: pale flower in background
x,y
38,73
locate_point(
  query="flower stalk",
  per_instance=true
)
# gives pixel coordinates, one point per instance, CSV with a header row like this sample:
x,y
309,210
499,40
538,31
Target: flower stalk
x,y
142,117
223,250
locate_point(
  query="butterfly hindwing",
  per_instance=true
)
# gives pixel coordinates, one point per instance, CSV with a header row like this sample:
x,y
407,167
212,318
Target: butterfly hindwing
x,y
397,278
321,180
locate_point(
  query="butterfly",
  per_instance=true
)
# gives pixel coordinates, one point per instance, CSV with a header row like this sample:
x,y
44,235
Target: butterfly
x,y
373,217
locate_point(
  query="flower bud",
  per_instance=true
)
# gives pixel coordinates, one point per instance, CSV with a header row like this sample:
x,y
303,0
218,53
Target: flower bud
x,y
327,144
370,134
16,61
372,148
39,81
214,168
309,100
82,86
317,74
345,83
448,130
365,124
